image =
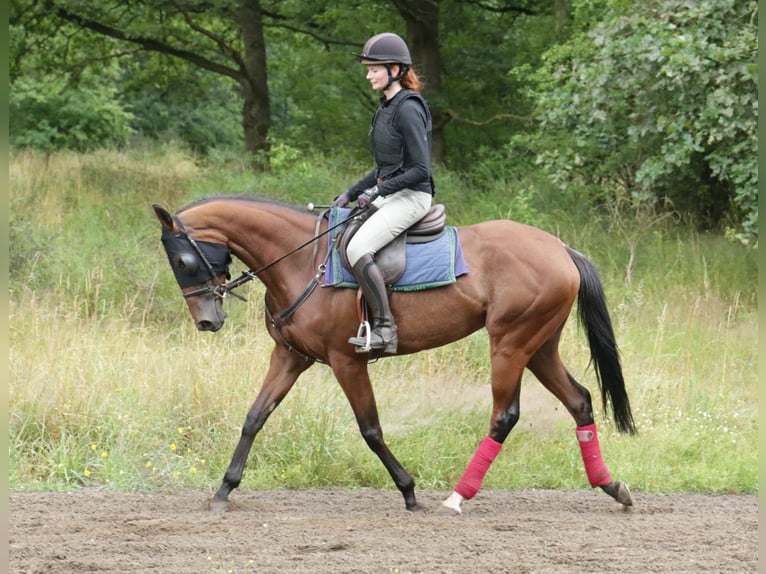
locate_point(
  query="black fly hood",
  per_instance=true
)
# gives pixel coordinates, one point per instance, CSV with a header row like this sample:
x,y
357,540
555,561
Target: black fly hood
x,y
194,262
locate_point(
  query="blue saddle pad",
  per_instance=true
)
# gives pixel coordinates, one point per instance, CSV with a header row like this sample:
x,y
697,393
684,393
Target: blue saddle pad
x,y
433,264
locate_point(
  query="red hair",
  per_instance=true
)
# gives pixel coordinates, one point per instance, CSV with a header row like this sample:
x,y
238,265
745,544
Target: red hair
x,y
411,81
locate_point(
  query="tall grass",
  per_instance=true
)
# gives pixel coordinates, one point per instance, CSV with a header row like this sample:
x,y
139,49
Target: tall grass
x,y
111,385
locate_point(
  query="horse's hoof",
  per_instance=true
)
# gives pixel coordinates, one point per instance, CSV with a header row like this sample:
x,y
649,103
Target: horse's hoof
x,y
416,508
451,505
218,505
619,491
445,510
623,494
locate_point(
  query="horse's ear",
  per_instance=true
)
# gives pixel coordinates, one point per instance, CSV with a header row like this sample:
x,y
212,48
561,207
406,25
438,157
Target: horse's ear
x,y
164,216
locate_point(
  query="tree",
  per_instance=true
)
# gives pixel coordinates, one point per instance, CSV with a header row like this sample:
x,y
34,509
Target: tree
x,y
422,21
308,44
481,41
215,36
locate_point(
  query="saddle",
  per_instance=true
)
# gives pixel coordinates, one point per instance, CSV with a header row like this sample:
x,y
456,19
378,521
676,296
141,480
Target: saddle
x,y
392,259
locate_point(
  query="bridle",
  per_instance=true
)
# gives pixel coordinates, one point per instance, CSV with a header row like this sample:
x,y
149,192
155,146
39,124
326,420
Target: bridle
x,y
221,290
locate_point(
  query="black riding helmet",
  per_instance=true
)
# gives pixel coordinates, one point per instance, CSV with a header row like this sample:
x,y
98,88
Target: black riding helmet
x,y
388,49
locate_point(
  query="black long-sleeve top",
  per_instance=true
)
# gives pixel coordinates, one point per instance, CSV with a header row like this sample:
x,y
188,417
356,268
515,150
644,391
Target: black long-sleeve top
x,y
411,122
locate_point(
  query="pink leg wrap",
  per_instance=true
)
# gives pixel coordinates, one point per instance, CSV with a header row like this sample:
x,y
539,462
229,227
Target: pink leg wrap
x,y
598,473
470,483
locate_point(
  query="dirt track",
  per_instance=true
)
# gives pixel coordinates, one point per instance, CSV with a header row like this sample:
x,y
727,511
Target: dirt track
x,y
368,531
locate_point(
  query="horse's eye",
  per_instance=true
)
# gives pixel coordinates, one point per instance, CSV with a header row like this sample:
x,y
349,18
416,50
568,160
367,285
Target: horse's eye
x,y
187,262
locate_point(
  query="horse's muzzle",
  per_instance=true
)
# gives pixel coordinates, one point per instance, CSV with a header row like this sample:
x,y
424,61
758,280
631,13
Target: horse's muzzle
x,y
212,326
209,314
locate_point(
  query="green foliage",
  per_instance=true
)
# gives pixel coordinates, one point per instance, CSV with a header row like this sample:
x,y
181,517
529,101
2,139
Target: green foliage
x,y
172,100
659,99
176,102
654,101
50,115
478,49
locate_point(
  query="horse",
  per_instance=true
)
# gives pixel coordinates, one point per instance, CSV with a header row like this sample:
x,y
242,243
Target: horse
x,y
521,287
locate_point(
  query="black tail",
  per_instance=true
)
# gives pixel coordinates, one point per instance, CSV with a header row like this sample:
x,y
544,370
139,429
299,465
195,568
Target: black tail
x,y
594,316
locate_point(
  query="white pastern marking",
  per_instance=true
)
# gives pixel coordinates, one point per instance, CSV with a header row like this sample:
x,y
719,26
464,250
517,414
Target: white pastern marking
x,y
453,502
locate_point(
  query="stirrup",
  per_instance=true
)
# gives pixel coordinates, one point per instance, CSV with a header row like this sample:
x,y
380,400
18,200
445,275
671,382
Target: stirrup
x,y
364,344
364,332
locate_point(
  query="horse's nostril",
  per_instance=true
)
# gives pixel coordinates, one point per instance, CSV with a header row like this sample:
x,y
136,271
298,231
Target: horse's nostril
x,y
205,326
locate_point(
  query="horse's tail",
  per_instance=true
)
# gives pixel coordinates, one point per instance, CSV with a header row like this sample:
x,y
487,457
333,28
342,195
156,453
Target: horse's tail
x,y
594,316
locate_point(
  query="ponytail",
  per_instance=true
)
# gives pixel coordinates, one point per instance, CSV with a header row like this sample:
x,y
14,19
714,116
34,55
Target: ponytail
x,y
411,81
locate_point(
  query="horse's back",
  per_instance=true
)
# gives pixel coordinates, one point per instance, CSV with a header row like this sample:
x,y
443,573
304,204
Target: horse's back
x,y
507,245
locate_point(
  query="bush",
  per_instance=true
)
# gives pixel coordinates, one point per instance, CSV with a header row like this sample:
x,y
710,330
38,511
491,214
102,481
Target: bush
x,y
50,115
202,114
660,100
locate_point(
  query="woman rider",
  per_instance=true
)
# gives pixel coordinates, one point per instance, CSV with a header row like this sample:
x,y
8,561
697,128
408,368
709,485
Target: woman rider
x,y
400,185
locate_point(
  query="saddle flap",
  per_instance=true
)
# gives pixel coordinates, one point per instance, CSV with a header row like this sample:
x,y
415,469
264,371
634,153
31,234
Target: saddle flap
x,y
344,237
392,260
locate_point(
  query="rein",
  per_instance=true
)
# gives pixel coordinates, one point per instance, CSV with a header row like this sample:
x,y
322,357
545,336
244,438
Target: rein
x,y
223,289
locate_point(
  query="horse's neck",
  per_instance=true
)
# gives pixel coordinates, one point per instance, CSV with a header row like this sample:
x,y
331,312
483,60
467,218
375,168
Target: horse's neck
x,y
260,235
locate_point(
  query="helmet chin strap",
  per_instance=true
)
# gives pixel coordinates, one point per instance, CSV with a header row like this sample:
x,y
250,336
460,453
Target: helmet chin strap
x,y
391,78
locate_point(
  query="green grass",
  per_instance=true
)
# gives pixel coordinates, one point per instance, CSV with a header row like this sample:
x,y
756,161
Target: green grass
x,y
111,385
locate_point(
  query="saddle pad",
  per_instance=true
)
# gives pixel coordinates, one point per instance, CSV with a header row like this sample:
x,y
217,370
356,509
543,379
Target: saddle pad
x,y
433,264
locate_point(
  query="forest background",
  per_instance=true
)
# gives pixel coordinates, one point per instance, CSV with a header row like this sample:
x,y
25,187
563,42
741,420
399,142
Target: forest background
x,y
628,129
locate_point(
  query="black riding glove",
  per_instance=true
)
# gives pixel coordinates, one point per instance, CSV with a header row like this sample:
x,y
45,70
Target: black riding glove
x,y
342,200
367,197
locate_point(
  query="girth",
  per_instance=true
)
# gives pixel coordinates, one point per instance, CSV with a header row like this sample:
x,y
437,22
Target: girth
x,y
392,259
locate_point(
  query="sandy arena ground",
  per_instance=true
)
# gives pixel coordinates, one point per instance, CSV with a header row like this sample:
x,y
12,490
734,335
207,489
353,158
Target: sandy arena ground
x,y
369,531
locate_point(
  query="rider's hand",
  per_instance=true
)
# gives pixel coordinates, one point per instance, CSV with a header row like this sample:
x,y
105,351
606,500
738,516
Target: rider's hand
x,y
367,197
342,200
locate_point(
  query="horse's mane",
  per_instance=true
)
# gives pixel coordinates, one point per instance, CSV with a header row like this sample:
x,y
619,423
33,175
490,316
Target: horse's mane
x,y
242,197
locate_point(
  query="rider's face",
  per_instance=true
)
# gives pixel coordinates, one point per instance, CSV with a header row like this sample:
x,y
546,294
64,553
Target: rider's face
x,y
377,75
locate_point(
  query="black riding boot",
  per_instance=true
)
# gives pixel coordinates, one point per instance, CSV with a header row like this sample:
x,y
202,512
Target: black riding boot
x,y
383,331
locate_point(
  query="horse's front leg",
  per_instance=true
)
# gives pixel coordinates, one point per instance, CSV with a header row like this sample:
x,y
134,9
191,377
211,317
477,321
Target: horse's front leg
x,y
284,369
355,381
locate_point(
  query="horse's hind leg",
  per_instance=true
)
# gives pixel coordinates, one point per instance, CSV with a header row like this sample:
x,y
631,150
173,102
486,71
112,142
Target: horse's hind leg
x,y
547,367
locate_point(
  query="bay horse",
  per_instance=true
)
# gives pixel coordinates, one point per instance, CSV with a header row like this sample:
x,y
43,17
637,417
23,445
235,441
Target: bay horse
x,y
521,287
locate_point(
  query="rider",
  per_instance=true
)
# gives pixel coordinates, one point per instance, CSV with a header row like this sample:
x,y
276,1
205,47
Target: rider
x,y
400,185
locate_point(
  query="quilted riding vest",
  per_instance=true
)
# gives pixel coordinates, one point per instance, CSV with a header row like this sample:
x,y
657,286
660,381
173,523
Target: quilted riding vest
x,y
386,142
